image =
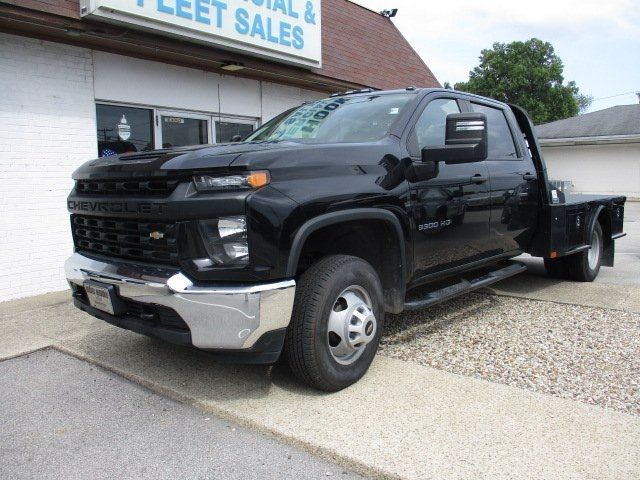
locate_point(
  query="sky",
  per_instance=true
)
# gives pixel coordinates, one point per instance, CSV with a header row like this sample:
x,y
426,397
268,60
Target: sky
x,y
597,40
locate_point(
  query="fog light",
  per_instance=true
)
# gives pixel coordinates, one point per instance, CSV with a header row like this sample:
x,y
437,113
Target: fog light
x,y
225,240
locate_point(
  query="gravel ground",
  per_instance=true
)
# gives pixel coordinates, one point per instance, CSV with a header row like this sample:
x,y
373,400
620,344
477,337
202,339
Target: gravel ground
x,y
582,353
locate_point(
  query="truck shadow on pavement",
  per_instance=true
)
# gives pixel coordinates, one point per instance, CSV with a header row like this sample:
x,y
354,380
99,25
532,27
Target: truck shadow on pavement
x,y
430,321
187,374
181,372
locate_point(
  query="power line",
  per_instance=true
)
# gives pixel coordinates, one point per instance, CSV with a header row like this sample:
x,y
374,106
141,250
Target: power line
x,y
614,96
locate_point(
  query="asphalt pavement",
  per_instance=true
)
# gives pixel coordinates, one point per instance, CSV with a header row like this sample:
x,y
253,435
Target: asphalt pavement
x,y
64,418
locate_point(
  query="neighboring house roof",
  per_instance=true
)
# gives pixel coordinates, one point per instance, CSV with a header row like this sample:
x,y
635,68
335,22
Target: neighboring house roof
x,y
618,124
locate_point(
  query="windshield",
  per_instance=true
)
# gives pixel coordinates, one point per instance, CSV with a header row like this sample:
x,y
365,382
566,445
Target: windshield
x,y
336,120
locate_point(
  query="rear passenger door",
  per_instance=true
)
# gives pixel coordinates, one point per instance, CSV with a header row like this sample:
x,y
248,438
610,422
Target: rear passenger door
x,y
512,180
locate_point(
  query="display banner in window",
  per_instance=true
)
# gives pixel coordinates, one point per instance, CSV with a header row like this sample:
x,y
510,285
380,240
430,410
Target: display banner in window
x,y
287,30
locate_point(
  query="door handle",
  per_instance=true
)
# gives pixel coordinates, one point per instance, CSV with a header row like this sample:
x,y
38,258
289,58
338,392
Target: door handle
x,y
529,176
477,178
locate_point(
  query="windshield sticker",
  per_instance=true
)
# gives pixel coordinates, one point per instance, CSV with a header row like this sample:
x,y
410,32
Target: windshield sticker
x,y
304,122
394,111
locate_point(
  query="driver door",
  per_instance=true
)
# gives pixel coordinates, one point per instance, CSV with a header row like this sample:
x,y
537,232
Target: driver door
x,y
451,204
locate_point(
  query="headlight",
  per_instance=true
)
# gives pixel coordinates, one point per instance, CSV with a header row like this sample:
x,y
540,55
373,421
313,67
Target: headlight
x,y
225,239
248,180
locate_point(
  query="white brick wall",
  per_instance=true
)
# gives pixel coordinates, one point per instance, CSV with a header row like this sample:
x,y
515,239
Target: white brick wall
x,y
47,129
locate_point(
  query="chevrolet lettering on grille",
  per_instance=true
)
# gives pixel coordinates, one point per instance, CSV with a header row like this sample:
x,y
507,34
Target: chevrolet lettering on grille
x,y
114,207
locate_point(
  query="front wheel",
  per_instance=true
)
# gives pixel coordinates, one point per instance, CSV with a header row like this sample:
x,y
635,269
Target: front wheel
x,y
336,323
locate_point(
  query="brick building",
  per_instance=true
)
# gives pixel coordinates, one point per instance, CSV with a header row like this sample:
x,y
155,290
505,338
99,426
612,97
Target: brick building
x,y
86,78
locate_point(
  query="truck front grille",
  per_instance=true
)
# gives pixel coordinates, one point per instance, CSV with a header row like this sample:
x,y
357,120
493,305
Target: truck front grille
x,y
147,187
153,242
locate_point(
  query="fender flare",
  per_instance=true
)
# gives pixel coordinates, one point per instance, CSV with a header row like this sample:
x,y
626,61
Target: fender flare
x,y
593,220
396,302
609,248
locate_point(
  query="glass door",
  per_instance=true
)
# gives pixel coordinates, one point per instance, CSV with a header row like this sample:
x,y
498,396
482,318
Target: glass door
x,y
177,129
233,129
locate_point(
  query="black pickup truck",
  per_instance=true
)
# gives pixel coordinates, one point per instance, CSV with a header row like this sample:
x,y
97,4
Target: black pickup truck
x,y
298,240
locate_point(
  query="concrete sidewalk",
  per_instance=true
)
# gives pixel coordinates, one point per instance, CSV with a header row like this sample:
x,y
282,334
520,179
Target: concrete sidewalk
x,y
402,420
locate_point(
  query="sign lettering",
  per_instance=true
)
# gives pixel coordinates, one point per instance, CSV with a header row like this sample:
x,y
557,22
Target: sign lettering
x,y
286,30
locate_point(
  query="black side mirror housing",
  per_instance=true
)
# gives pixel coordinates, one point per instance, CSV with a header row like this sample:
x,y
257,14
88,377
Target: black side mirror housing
x,y
465,140
236,138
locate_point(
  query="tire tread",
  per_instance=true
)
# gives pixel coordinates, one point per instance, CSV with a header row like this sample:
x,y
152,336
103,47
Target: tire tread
x,y
299,342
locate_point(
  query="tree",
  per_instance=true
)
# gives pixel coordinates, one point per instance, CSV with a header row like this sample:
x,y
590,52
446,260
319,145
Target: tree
x,y
583,101
528,74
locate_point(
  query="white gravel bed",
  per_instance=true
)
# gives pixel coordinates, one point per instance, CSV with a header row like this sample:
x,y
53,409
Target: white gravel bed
x,y
582,353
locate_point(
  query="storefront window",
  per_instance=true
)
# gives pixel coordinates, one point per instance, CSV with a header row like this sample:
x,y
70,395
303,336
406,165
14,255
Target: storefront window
x,y
226,131
123,129
180,131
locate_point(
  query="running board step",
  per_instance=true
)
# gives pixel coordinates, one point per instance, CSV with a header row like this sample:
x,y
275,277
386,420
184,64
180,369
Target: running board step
x,y
465,286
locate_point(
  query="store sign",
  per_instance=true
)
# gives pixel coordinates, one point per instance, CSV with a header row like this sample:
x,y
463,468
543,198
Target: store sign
x,y
286,30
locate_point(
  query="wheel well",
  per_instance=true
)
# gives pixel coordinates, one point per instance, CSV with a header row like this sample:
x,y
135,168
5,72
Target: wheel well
x,y
375,241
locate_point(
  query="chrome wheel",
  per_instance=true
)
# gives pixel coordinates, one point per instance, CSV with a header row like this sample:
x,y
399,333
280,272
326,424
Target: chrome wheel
x,y
594,251
352,325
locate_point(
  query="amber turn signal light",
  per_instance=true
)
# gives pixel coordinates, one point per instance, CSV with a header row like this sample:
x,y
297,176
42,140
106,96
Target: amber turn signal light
x,y
258,179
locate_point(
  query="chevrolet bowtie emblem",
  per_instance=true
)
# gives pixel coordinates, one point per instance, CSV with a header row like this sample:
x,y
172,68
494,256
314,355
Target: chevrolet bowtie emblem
x,y
156,235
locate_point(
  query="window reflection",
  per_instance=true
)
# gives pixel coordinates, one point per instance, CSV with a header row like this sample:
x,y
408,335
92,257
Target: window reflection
x,y
230,131
183,131
123,129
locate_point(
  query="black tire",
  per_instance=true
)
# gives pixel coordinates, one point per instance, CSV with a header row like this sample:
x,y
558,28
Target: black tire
x,y
306,344
556,268
578,266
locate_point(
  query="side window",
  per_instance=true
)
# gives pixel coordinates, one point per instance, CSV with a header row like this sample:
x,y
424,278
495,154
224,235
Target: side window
x,y
430,128
500,139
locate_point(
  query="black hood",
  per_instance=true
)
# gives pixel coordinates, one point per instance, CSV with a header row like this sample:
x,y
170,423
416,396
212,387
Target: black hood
x,y
162,163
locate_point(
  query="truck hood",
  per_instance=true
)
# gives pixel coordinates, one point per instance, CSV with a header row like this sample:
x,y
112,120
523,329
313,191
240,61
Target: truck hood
x,y
162,163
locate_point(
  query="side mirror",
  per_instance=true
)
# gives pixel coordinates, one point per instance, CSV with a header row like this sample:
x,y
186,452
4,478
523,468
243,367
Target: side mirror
x,y
465,140
236,138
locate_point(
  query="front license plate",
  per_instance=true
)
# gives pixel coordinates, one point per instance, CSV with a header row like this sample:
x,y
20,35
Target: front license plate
x,y
99,296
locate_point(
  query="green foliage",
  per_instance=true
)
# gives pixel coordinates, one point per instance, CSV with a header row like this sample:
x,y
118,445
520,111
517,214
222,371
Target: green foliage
x,y
583,101
528,74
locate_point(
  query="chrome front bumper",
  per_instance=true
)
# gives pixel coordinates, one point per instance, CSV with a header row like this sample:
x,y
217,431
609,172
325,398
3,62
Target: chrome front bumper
x,y
226,317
